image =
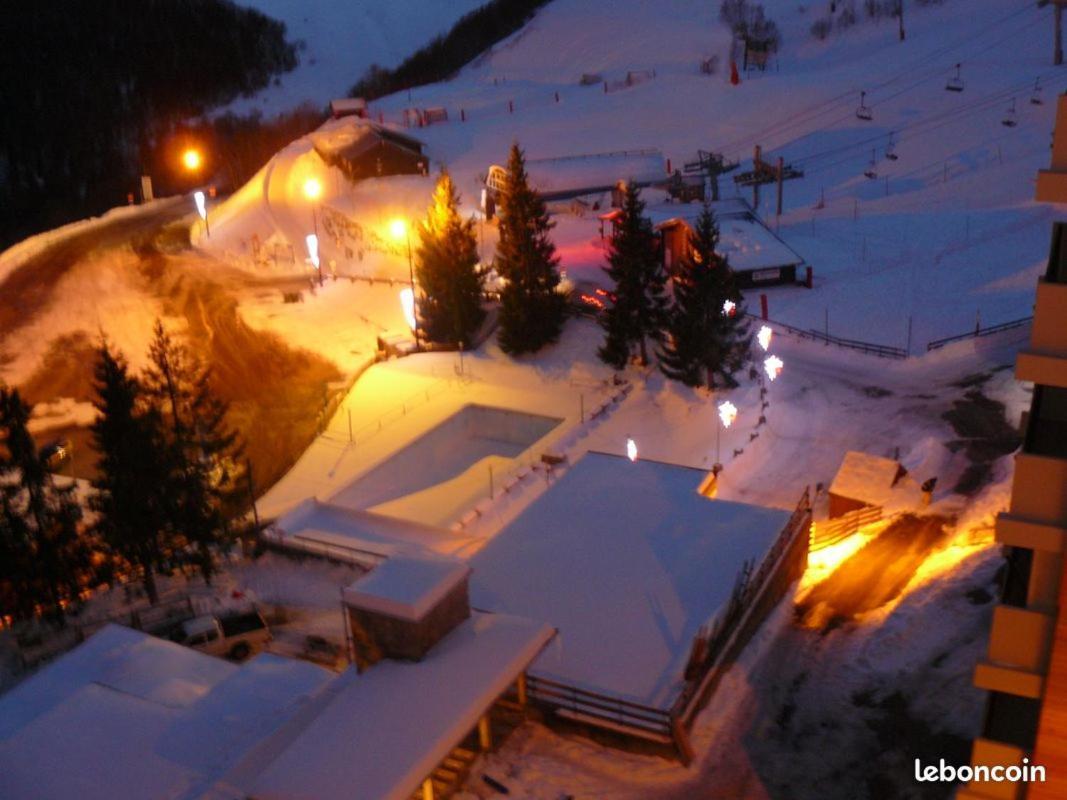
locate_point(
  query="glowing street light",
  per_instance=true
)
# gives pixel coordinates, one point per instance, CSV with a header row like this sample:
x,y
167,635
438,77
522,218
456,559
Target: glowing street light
x,y
631,449
764,337
727,415
772,365
313,191
407,303
201,209
728,308
400,230
192,160
313,253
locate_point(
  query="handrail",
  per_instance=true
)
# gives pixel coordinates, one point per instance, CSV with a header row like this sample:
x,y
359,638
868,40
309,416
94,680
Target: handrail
x,y
881,350
978,332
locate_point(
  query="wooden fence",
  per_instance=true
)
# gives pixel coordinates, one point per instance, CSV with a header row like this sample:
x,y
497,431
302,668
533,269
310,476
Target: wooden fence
x,y
978,333
871,348
834,531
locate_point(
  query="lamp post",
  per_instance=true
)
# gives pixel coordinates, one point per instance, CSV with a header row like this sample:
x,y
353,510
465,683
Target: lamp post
x,y
400,228
192,160
313,191
727,415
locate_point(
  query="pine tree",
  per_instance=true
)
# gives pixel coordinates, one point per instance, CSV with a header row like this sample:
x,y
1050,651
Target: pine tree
x,y
532,309
130,493
446,265
40,519
203,468
638,311
706,344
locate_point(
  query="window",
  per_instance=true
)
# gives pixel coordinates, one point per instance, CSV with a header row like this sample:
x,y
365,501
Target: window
x,y
1012,720
1046,433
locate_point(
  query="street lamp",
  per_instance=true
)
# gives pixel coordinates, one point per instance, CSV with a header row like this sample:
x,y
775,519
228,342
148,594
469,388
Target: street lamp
x,y
192,160
400,229
201,209
727,415
312,241
313,191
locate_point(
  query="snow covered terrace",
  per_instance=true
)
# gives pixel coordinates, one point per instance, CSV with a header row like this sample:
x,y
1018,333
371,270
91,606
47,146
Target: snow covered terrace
x,y
628,561
129,715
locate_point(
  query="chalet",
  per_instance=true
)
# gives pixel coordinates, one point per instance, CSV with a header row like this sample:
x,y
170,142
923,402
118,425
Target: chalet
x,y
863,480
362,149
755,253
348,107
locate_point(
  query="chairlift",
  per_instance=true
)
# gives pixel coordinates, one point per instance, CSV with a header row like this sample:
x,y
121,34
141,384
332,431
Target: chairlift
x,y
955,83
1035,97
871,172
864,111
1011,119
890,150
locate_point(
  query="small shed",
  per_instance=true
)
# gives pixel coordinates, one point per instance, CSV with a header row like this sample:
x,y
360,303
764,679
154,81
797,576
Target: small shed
x,y
863,480
348,107
363,149
403,607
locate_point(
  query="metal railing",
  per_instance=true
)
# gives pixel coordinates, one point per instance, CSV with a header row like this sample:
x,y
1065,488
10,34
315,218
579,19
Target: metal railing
x,y
977,333
871,348
595,707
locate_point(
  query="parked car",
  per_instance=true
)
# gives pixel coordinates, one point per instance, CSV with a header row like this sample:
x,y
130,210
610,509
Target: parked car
x,y
233,636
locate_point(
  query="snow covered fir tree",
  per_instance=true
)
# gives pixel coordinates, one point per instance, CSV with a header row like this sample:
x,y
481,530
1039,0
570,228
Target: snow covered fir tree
x,y
638,307
532,308
707,336
450,281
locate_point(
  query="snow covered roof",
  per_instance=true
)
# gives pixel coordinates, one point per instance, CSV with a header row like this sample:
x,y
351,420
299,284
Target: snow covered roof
x,y
866,477
744,240
406,587
129,715
566,176
369,537
349,137
627,561
379,734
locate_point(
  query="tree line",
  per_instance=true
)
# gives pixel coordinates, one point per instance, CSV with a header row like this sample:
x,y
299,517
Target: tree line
x,y
694,319
169,481
90,90
473,34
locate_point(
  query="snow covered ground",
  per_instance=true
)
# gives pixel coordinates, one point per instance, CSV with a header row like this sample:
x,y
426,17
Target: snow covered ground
x,y
338,41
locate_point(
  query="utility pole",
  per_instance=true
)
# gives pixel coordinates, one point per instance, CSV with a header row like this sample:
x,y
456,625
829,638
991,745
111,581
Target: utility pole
x,y
900,18
1057,18
780,170
757,162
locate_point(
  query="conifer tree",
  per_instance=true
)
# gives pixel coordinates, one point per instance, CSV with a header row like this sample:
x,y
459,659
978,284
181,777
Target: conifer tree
x,y
708,339
130,492
446,266
203,467
639,308
40,519
532,309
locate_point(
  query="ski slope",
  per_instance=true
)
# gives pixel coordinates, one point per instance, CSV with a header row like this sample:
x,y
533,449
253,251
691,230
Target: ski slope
x,y
337,41
943,235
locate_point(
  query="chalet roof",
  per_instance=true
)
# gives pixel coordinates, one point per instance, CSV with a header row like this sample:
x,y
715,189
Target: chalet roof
x,y
865,477
351,137
628,561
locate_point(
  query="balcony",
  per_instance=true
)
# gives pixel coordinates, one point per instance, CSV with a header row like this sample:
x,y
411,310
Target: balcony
x,y
990,753
1008,680
1020,639
1019,532
1039,489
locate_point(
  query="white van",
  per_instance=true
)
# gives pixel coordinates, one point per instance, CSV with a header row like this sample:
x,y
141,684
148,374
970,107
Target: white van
x,y
235,636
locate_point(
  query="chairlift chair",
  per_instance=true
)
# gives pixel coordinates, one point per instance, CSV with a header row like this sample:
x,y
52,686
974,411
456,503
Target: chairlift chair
x,y
955,83
864,111
1011,117
890,150
1035,97
871,172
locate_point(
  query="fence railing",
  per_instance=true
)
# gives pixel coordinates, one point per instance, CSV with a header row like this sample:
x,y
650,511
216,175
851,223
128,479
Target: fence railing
x,y
871,348
344,554
977,333
831,532
595,708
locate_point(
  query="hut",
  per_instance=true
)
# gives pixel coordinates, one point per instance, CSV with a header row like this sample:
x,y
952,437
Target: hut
x,y
363,149
348,107
862,481
403,607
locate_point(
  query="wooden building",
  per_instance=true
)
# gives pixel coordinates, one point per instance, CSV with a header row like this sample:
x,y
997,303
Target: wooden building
x,y
403,607
363,149
863,481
